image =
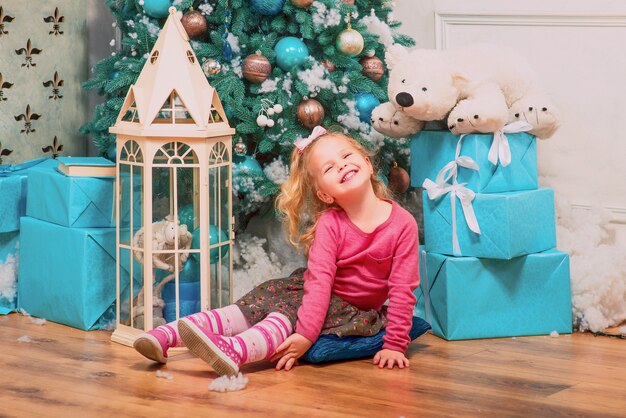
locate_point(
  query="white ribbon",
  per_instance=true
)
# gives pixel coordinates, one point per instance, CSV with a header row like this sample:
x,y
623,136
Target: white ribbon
x,y
450,170
465,196
500,149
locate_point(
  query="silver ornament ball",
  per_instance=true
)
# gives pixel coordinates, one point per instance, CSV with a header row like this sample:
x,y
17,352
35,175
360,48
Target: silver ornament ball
x,y
211,67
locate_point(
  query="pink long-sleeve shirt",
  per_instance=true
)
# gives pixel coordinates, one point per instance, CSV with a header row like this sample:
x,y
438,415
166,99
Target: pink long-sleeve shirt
x,y
364,269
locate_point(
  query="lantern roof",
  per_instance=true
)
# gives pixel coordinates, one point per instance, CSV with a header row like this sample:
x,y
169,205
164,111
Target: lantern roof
x,y
172,96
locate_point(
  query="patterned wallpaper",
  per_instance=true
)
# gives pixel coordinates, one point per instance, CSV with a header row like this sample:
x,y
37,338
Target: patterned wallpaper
x,y
43,62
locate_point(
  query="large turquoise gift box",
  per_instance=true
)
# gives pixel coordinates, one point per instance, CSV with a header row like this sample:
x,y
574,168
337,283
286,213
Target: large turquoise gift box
x,y
511,224
9,257
467,297
13,186
77,202
431,151
66,275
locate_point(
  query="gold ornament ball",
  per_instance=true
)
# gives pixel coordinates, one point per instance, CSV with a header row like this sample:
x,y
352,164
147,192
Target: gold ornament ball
x,y
350,42
211,66
301,4
372,67
399,180
195,24
328,64
310,113
256,68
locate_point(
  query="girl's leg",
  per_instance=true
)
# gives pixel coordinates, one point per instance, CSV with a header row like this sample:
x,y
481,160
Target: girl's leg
x,y
223,321
227,354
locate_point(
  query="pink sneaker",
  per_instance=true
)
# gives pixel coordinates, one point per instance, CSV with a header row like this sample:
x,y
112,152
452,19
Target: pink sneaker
x,y
210,347
152,346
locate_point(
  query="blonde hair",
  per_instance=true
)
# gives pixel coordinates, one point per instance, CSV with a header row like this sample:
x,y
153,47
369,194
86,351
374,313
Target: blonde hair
x,y
298,203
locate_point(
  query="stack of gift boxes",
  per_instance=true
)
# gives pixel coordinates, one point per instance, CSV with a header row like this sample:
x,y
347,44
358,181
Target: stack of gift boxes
x,y
489,267
13,187
67,247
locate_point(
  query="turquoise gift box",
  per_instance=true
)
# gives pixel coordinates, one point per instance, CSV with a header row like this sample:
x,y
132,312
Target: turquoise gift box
x,y
77,202
511,224
66,275
9,257
470,297
13,187
432,150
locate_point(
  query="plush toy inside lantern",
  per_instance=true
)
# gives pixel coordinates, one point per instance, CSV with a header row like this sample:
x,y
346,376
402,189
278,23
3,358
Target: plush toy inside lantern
x,y
174,207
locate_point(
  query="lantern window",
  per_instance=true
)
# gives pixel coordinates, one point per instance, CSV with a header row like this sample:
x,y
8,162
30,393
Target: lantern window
x,y
191,57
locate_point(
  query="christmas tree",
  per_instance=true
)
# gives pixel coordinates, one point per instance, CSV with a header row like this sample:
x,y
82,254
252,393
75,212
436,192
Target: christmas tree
x,y
280,67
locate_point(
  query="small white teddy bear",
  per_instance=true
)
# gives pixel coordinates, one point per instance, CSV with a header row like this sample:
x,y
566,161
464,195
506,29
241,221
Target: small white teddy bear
x,y
163,238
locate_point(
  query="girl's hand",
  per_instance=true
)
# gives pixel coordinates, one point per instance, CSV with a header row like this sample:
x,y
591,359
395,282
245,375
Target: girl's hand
x,y
290,351
390,358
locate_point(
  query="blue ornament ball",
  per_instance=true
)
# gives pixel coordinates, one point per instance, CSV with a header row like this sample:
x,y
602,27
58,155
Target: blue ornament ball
x,y
112,153
290,52
216,236
190,271
116,74
248,165
187,217
267,7
156,8
365,104
383,178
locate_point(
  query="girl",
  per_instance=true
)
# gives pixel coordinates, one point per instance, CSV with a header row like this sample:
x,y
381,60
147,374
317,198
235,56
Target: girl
x,y
362,250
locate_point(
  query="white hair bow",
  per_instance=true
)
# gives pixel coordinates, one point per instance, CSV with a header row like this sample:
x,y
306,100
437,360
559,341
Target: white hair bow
x,y
302,143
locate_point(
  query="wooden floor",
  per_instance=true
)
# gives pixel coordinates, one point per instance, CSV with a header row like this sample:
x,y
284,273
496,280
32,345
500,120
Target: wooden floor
x,y
64,372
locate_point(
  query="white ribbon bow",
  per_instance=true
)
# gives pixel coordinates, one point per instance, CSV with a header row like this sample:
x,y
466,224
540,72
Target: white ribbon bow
x,y
450,170
500,149
465,196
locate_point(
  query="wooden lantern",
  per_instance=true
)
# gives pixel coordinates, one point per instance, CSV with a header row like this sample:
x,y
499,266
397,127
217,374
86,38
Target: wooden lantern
x,y
174,207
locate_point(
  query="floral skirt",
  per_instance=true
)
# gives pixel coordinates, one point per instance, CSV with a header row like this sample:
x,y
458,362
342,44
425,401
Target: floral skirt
x,y
285,296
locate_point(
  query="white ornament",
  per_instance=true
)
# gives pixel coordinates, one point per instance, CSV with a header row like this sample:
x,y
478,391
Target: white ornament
x,y
270,123
270,111
278,108
262,120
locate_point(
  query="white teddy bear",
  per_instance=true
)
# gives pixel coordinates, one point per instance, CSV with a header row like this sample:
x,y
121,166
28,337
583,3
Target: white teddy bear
x,y
479,88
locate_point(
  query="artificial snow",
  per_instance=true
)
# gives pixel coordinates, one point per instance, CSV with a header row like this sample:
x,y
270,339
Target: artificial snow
x,y
277,171
269,85
260,254
554,334
205,9
25,339
153,28
324,17
233,40
229,383
164,375
8,277
377,27
597,269
316,79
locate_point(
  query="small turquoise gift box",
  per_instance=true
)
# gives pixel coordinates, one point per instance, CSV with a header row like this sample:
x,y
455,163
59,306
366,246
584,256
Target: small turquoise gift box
x,y
13,186
467,297
501,226
77,202
9,257
66,275
505,161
